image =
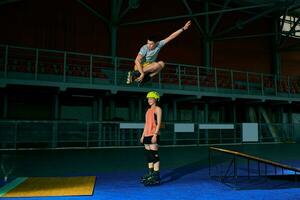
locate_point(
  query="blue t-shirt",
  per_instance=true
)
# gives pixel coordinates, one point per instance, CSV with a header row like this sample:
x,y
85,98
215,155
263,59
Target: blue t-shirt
x,y
151,55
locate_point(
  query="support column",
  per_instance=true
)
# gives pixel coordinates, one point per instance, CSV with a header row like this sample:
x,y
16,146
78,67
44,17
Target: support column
x,y
290,114
276,58
206,113
114,32
100,109
132,111
251,114
247,110
112,108
140,113
5,106
115,13
56,116
99,119
56,107
165,110
206,121
175,111
234,113
195,114
206,38
291,133
280,114
260,120
222,117
175,119
95,109
234,120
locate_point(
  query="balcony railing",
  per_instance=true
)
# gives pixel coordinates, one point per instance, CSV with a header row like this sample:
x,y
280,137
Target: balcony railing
x,y
60,67
76,134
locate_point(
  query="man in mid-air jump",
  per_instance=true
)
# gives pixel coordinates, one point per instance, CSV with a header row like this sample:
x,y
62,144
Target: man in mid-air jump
x,y
146,66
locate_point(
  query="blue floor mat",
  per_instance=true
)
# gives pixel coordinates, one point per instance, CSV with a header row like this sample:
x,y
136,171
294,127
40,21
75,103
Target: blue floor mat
x,y
181,183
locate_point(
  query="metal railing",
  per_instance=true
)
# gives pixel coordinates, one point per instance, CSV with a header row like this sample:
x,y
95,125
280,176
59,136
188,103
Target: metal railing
x,y
51,66
64,134
244,171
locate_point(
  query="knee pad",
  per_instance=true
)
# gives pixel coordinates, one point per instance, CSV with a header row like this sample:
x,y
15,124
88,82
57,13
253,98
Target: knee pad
x,y
155,156
149,156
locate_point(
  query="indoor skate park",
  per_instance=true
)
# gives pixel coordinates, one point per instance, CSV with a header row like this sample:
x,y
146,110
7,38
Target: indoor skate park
x,y
228,87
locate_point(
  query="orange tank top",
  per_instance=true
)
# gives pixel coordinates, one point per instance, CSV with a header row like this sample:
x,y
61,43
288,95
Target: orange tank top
x,y
150,124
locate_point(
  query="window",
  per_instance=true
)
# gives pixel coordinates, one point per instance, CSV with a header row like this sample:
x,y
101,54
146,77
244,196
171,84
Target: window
x,y
289,22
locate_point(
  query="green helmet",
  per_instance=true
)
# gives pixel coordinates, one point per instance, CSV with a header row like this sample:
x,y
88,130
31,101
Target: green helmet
x,y
153,94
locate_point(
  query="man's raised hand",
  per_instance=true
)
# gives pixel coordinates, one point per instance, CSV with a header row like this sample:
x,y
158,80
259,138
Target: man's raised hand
x,y
187,25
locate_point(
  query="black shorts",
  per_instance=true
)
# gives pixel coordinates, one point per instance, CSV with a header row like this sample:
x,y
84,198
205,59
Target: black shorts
x,y
147,140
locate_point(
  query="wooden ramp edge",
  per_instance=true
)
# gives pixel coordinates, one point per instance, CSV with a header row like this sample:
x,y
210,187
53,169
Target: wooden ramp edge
x,y
236,153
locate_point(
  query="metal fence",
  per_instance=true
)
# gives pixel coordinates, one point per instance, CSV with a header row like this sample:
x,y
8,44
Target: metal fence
x,y
51,66
65,134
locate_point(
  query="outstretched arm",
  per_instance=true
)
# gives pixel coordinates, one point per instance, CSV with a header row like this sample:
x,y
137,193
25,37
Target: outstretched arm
x,y
178,32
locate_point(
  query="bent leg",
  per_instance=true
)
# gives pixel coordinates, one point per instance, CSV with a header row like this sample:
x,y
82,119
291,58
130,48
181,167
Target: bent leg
x,y
154,68
161,66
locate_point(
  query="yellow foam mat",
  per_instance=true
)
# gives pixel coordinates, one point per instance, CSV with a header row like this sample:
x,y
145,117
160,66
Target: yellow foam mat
x,y
54,186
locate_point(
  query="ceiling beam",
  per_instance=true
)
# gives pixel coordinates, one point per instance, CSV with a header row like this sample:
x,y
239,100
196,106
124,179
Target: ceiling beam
x,y
238,25
115,11
246,36
243,11
132,4
199,28
125,12
219,17
93,11
294,7
197,14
